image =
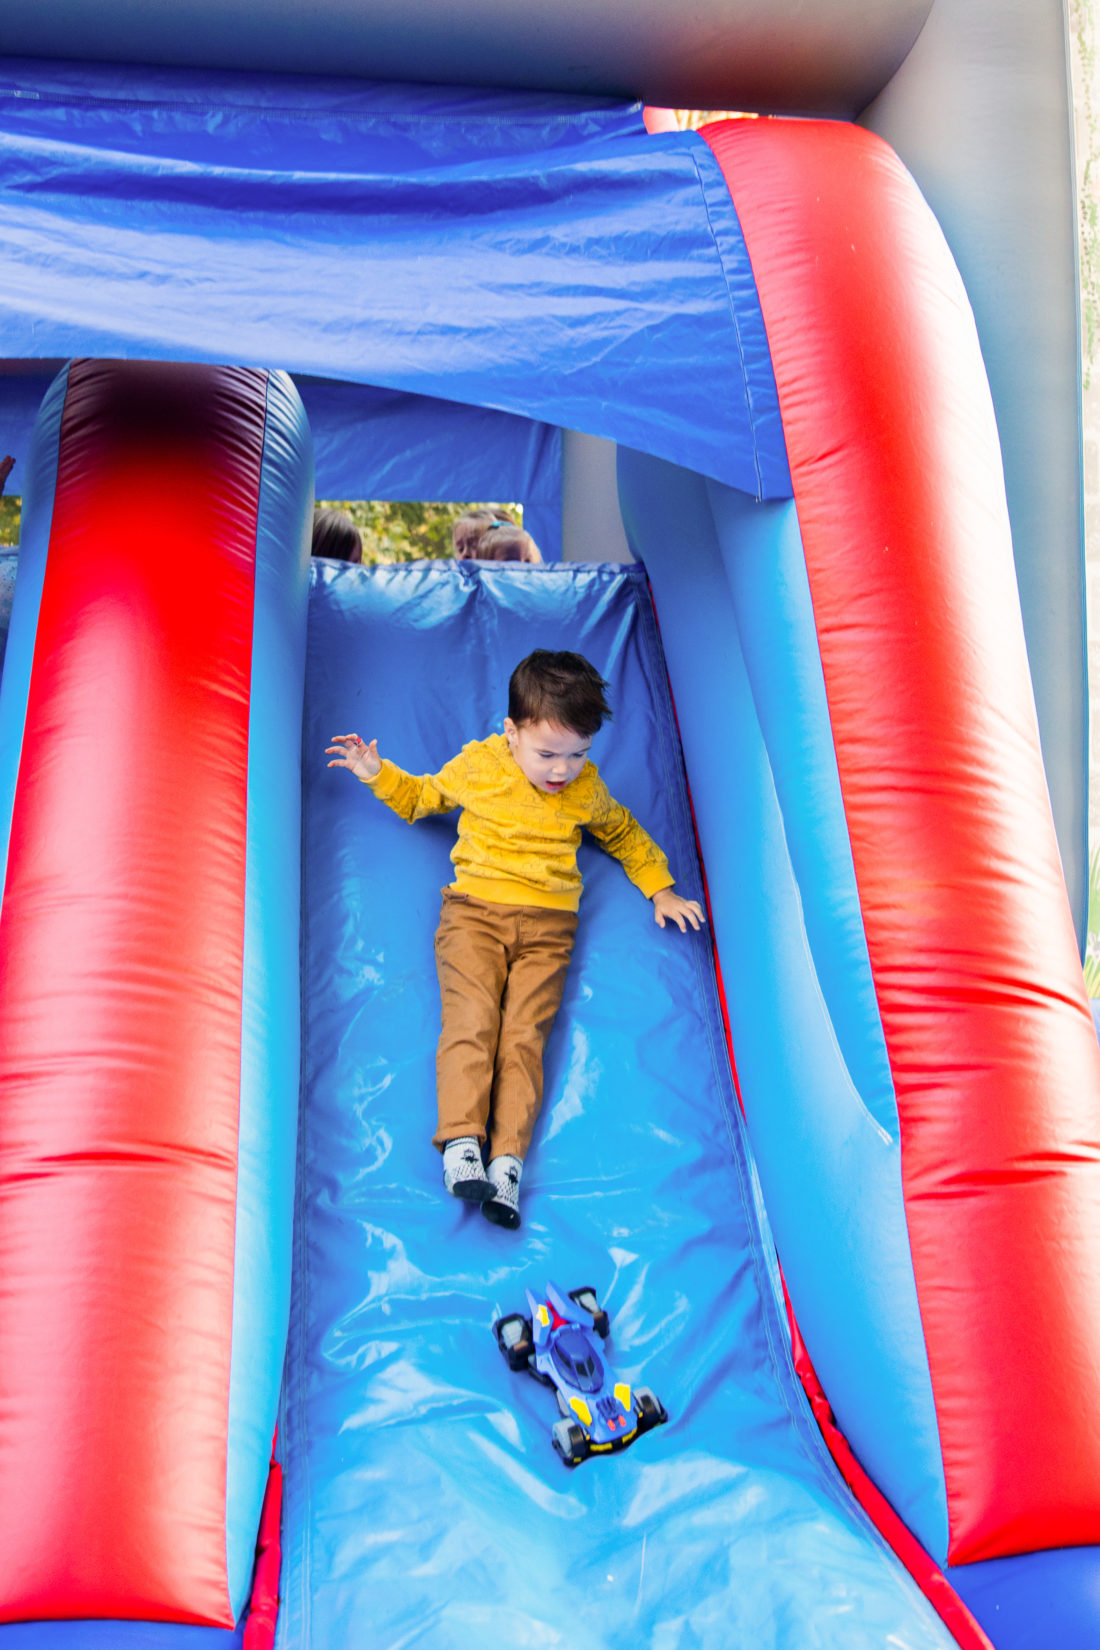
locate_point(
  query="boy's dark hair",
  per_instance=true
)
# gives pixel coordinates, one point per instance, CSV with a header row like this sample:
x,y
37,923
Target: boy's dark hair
x,y
562,688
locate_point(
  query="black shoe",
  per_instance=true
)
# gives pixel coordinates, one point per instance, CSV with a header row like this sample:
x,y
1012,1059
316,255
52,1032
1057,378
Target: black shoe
x,y
502,1205
500,1213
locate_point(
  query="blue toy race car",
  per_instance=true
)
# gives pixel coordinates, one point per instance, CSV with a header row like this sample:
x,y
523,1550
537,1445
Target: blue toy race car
x,y
556,1345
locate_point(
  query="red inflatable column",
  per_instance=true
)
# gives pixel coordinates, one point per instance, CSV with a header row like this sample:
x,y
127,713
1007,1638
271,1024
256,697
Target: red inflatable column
x,y
121,935
897,477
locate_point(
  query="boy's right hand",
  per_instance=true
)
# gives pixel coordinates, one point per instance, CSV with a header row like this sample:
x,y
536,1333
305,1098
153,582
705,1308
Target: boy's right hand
x,y
350,752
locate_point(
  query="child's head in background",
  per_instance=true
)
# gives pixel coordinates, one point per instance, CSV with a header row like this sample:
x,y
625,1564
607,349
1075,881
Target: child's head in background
x,y
506,542
469,529
336,536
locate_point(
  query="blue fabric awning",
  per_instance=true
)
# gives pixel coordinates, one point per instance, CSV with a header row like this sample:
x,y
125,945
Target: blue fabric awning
x,y
535,254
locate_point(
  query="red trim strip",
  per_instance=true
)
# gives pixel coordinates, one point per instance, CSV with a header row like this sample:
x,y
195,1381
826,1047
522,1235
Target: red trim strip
x,y
927,1575
120,999
263,1610
896,470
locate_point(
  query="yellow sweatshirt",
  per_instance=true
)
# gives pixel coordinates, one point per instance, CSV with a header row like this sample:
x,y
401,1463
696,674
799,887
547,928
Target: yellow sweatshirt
x,y
518,845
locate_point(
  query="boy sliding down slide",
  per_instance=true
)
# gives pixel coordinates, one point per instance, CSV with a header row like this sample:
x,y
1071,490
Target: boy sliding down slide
x,y
510,916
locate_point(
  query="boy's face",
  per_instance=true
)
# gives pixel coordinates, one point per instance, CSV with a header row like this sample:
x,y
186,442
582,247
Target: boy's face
x,y
546,754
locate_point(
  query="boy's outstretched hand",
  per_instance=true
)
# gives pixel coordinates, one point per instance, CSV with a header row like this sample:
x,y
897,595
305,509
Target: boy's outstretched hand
x,y
350,752
669,907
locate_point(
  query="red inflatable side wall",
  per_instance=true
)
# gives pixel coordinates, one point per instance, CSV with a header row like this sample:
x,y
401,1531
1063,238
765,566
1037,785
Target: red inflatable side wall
x,y
120,1001
897,478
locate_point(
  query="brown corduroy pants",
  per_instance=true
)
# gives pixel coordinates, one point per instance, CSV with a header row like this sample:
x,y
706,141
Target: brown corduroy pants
x,y
502,971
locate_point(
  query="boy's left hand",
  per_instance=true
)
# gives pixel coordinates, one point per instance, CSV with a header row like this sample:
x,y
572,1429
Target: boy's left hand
x,y
669,907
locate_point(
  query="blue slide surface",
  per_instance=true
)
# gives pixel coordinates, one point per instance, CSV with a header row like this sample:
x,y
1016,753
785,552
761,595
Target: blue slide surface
x,y
424,1503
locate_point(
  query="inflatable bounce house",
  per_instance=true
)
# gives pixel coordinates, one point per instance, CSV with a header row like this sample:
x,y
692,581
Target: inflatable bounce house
x,y
832,1165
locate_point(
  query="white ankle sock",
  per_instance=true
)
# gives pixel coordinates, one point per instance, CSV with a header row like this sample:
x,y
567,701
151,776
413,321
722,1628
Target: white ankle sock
x,y
463,1171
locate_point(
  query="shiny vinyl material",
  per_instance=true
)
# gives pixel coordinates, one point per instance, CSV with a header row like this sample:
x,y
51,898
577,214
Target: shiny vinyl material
x,y
829,1168
714,1233
147,977
271,979
995,1064
424,1503
848,999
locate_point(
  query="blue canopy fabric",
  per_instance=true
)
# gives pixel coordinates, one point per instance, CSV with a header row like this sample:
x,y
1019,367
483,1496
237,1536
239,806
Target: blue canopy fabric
x,y
387,444
534,254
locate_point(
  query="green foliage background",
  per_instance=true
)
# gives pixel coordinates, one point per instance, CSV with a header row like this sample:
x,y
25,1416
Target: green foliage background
x,y
409,531
1092,944
9,520
391,532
